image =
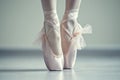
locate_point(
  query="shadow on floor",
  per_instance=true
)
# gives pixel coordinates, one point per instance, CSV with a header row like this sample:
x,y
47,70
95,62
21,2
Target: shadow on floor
x,y
22,70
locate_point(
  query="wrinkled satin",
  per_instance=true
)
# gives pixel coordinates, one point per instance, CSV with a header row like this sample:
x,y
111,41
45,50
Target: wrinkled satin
x,y
52,60
72,41
77,41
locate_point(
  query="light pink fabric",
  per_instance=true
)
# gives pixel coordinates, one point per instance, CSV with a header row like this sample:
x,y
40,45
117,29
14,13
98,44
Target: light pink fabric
x,y
72,39
61,50
50,39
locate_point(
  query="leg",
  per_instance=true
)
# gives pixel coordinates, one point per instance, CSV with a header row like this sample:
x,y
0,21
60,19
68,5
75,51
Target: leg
x,y
72,4
71,33
49,9
69,29
72,7
48,5
52,50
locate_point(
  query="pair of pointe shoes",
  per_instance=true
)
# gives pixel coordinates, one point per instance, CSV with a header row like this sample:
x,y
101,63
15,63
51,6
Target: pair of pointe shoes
x,y
60,42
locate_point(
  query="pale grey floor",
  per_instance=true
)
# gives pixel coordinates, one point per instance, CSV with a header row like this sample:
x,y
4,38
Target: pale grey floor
x,y
90,65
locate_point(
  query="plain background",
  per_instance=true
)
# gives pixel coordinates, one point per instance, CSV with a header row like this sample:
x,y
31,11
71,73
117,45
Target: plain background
x,y
21,20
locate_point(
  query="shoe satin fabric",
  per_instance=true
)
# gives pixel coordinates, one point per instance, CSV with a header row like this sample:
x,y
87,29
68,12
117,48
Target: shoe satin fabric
x,y
50,39
72,39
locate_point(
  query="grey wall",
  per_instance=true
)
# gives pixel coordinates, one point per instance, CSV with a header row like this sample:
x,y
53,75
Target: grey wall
x,y
21,20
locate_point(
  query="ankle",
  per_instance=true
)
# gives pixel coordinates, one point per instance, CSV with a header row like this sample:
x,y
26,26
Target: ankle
x,y
71,14
51,16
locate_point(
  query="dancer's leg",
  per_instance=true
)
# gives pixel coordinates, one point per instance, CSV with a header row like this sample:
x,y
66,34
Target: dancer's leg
x,y
48,5
69,26
52,50
71,33
49,8
71,11
72,4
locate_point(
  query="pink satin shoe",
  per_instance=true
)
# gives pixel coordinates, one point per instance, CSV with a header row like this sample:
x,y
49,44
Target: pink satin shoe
x,y
71,34
51,43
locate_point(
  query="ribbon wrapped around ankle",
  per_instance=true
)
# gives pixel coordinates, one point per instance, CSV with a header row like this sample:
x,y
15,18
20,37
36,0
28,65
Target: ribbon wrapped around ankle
x,y
87,29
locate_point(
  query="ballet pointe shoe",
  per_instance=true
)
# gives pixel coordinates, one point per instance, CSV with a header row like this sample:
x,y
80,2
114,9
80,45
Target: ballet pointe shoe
x,y
51,44
72,39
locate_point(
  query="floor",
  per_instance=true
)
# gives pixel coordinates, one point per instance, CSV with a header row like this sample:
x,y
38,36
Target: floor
x,y
90,65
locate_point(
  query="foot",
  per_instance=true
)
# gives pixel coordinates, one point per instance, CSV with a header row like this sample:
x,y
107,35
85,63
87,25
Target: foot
x,y
71,34
51,43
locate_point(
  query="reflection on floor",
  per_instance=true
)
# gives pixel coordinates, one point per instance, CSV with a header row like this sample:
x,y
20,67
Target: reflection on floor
x,y
90,65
